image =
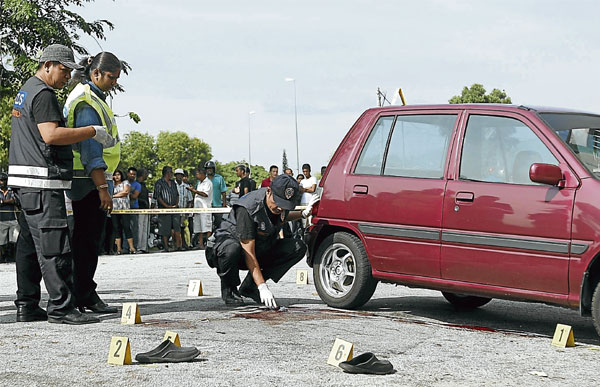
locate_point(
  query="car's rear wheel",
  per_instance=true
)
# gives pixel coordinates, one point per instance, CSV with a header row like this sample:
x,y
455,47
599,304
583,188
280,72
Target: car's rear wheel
x,y
596,308
463,301
342,272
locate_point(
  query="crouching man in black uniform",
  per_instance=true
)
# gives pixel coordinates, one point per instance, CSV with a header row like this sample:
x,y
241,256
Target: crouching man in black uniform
x,y
247,240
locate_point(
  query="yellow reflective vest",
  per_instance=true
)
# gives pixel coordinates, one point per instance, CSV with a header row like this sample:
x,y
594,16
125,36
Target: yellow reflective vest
x,y
83,93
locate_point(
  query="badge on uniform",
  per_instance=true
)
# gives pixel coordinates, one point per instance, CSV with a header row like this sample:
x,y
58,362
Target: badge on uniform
x,y
20,99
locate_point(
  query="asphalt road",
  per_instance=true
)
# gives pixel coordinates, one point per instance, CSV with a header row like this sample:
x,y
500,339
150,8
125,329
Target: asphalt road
x,y
427,341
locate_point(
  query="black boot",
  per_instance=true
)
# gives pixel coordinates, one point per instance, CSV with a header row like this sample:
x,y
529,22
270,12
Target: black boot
x,y
230,295
31,313
248,289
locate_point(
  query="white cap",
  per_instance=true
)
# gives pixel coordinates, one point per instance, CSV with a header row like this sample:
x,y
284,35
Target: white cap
x,y
179,170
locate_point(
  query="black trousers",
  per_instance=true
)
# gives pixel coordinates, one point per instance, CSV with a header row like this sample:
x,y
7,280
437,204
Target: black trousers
x,y
44,251
121,224
274,263
89,223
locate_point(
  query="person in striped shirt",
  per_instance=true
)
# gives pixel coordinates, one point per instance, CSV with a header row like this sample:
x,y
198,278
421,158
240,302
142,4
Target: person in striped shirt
x,y
167,196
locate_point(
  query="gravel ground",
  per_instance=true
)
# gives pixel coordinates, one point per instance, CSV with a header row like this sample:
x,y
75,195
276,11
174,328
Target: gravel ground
x,y
504,343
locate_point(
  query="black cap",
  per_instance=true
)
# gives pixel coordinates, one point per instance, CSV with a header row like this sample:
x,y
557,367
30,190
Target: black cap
x,y
61,54
286,192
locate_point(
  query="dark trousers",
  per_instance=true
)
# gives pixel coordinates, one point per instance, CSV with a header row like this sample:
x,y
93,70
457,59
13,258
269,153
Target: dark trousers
x,y
44,251
133,226
89,224
121,225
107,242
274,263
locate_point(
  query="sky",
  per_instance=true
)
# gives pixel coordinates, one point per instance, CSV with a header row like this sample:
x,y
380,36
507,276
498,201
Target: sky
x,y
202,66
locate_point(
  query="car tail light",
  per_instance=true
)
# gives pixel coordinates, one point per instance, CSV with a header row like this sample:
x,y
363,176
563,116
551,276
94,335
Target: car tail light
x,y
315,208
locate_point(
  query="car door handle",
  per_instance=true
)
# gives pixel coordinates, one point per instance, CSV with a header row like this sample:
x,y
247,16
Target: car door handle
x,y
464,197
361,189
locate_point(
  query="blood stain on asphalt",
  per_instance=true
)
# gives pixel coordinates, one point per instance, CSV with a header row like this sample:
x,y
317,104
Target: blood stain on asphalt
x,y
292,314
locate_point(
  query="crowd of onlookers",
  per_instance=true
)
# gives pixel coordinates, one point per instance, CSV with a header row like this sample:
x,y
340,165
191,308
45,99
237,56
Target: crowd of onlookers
x,y
141,233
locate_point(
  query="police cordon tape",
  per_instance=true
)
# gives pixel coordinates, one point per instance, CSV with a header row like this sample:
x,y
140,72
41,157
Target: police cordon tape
x,y
164,211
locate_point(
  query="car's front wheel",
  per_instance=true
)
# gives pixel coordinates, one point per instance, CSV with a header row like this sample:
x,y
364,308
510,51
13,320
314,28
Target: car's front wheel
x,y
463,301
342,272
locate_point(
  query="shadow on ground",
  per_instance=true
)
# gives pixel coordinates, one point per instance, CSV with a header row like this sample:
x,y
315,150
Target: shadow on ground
x,y
499,315
507,317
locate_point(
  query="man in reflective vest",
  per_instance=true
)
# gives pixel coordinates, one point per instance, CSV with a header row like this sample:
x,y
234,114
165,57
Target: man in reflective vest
x,y
40,169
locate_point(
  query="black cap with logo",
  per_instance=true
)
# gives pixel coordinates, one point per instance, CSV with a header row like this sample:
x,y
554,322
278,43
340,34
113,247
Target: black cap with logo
x,y
286,192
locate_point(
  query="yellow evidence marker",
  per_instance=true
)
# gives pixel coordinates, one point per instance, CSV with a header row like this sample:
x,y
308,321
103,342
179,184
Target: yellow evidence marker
x,y
172,337
341,351
194,288
131,313
563,336
302,277
120,351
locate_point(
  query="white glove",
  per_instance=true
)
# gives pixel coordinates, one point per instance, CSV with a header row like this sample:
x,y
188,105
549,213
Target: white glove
x,y
266,296
308,210
103,137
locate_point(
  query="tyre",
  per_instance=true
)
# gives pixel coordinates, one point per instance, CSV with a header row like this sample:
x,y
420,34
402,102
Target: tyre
x,y
596,308
342,272
463,301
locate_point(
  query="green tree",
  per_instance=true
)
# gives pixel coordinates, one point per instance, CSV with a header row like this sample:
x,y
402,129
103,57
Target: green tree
x,y
476,94
30,25
259,173
27,27
5,118
176,149
139,150
284,162
179,150
227,170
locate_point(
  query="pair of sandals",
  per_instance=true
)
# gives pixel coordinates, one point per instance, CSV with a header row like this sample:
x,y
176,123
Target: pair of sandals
x,y
167,352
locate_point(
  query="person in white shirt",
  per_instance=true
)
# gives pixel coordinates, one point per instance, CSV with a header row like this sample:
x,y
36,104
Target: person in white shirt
x,y
308,185
202,199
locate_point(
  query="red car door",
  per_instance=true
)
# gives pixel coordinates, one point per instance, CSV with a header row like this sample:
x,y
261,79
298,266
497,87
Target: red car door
x,y
499,228
394,194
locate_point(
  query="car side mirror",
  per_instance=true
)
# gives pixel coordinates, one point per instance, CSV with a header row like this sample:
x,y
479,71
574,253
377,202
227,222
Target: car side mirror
x,y
546,174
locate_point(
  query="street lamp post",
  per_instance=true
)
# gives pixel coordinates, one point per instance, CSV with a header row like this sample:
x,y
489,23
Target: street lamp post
x,y
250,114
296,120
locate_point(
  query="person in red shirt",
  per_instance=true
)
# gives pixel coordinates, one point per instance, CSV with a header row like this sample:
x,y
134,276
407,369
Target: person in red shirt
x,y
273,172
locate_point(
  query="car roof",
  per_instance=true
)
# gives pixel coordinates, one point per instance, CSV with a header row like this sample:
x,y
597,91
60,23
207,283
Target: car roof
x,y
484,106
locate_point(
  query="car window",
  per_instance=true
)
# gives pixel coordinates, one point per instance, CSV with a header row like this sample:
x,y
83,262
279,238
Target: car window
x,y
419,145
371,157
501,149
581,132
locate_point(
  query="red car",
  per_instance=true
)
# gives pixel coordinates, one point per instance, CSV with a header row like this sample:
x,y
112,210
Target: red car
x,y
478,201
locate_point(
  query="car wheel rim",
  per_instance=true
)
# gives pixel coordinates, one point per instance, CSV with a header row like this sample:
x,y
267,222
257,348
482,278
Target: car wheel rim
x,y
338,270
